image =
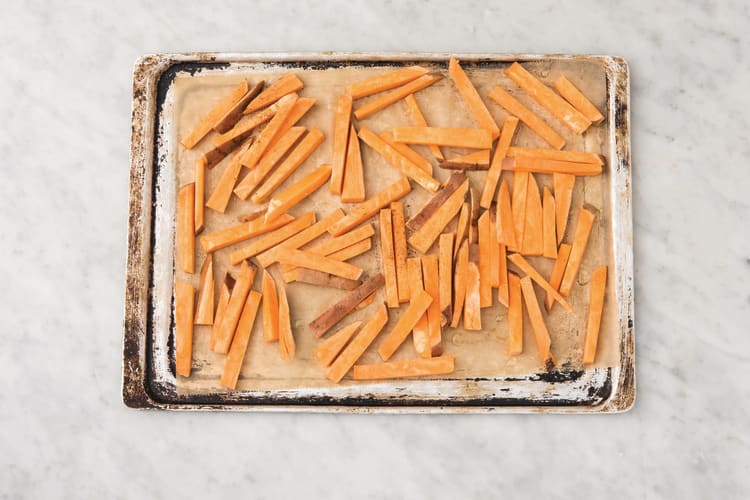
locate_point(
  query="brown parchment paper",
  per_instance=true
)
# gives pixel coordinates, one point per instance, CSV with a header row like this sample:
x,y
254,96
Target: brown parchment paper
x,y
478,354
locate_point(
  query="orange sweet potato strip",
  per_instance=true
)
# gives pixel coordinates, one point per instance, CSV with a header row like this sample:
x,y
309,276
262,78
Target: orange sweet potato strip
x,y
388,256
407,152
462,228
454,182
225,292
358,345
472,306
502,287
430,269
216,113
580,241
459,289
533,228
408,368
414,312
421,331
445,276
328,318
387,81
423,238
596,306
518,209
229,140
272,156
233,309
506,233
212,242
219,198
184,297
394,158
484,264
309,260
515,316
287,345
471,97
541,333
554,154
494,251
234,114
251,157
579,101
545,166
298,155
300,190
395,95
204,309
236,356
399,249
331,347
351,251
341,128
477,138
287,84
272,239
200,193
563,253
420,121
528,117
496,168
370,207
353,190
529,270
185,239
300,108
548,99
329,247
548,216
270,308
478,160
563,190
319,278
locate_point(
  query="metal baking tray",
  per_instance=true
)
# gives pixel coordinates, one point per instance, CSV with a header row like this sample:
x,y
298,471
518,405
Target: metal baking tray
x,y
148,366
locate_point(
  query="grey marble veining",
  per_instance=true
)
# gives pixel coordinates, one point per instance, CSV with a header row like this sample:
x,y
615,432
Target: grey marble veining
x,y
65,114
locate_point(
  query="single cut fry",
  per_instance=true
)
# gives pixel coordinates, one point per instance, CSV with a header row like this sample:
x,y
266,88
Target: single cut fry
x,y
484,264
403,369
204,309
545,166
445,276
354,176
385,82
431,281
200,193
596,306
230,139
224,293
395,95
231,315
580,241
477,138
548,99
494,251
270,308
297,192
554,154
459,289
563,186
529,270
515,316
414,312
300,153
272,239
358,345
471,97
541,334
287,345
185,239
370,207
212,117
234,114
399,249
331,347
328,318
287,84
472,307
251,157
397,160
300,108
520,193
454,182
533,228
351,251
420,121
219,198
556,276
502,287
407,152
493,174
421,331
184,297
579,101
531,120
212,242
423,239
548,216
478,160
236,356
271,157
341,130
320,279
309,260
462,227
388,258
339,244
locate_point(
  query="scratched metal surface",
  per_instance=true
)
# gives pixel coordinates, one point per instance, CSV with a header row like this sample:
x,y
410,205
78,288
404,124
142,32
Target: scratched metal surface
x,y
148,374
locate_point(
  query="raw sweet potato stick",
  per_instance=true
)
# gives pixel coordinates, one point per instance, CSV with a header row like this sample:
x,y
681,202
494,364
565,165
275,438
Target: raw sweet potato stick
x,y
493,174
394,96
387,81
423,238
518,207
596,306
388,258
506,232
234,114
485,284
236,356
548,219
471,97
358,345
216,113
528,117
541,333
301,190
341,128
580,241
225,291
212,242
563,190
477,138
515,316
370,207
579,101
331,347
431,281
309,260
459,282
231,316
407,152
502,287
184,297
399,249
421,331
546,166
251,157
287,84
229,140
554,154
445,276
272,239
353,190
529,270
408,368
328,318
414,312
222,192
319,278
204,308
478,160
287,345
454,182
556,276
185,239
533,228
472,306
200,193
420,121
270,308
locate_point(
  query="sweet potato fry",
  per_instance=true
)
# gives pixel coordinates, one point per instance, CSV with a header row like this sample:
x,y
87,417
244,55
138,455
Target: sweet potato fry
x,y
251,157
431,281
184,297
445,276
341,128
533,228
309,260
225,292
272,239
287,345
528,117
421,331
289,197
478,110
529,270
515,316
484,263
541,334
408,368
395,95
300,109
580,241
554,154
420,121
270,308
229,140
370,207
358,345
548,218
331,347
353,190
520,193
545,166
234,307
185,239
414,312
563,189
478,160
399,249
204,309
384,82
236,356
454,182
493,174
596,306
341,243
494,251
423,238
328,318
462,228
459,288
287,84
216,113
477,138
502,287
200,194
472,306
506,232
212,242
407,152
579,101
388,257
219,198
319,278
563,253
234,114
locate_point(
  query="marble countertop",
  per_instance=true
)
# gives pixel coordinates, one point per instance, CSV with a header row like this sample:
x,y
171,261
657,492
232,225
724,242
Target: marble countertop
x,y
65,109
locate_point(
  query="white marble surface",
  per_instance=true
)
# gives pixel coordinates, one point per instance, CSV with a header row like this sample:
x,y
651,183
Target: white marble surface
x,y
65,110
